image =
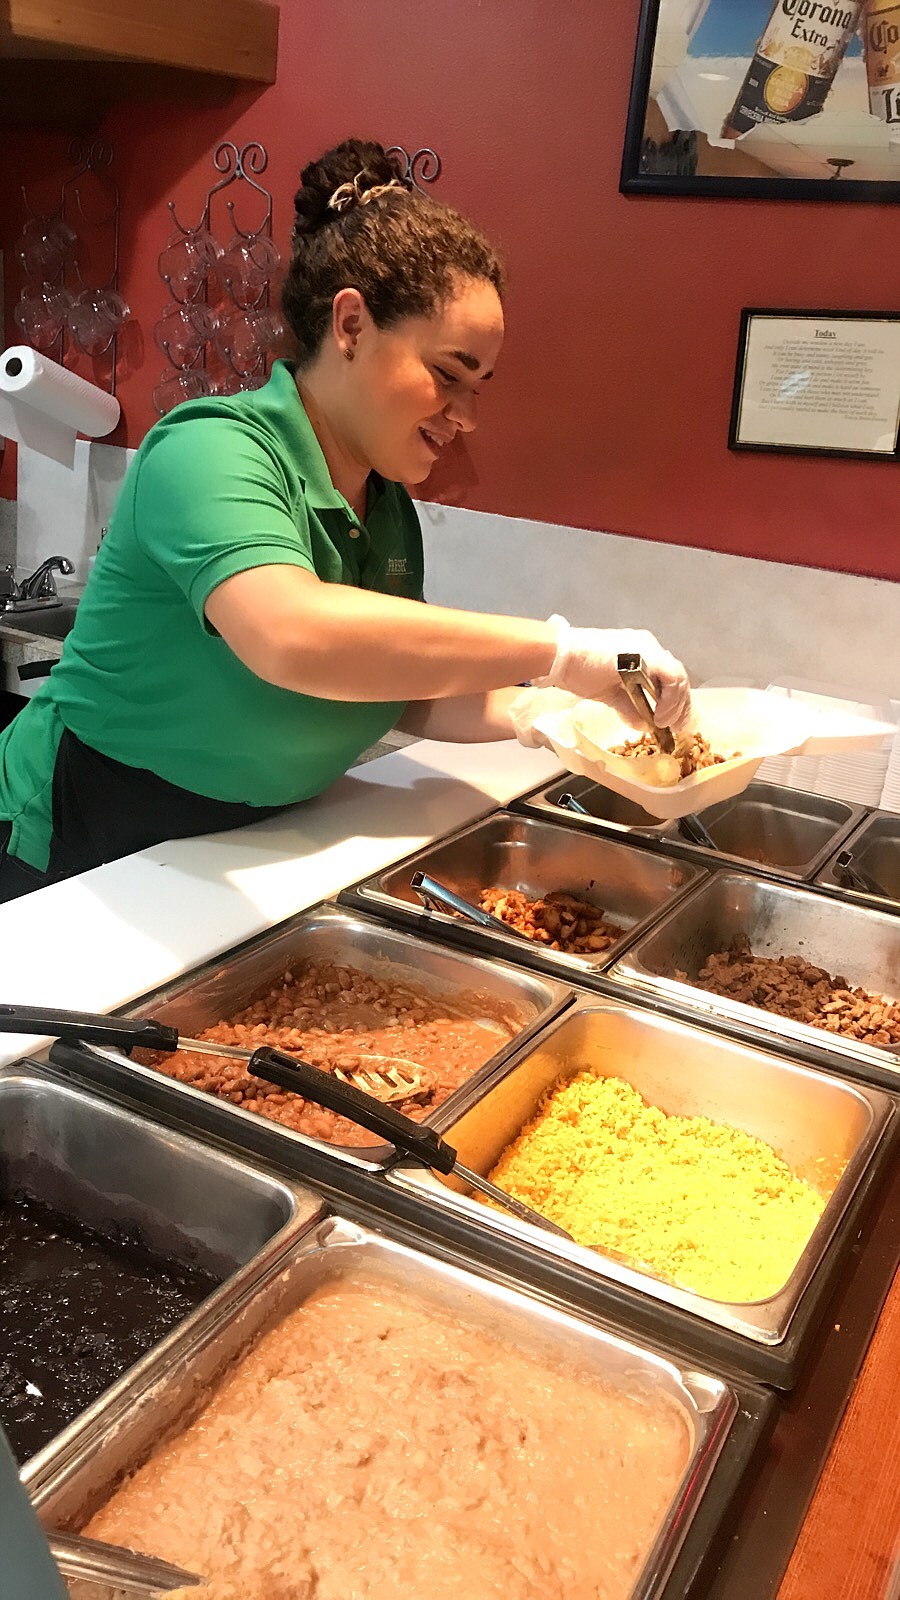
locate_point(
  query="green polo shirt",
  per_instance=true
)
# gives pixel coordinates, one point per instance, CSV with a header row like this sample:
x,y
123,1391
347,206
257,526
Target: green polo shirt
x,y
218,486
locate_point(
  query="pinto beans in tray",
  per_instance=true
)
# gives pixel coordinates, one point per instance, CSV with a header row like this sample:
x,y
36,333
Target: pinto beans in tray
x,y
342,991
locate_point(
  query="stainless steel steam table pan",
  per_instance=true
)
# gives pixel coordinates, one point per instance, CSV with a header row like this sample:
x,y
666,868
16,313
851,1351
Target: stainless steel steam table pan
x,y
608,812
768,829
505,851
849,941
875,846
221,988
67,1489
100,1163
833,1133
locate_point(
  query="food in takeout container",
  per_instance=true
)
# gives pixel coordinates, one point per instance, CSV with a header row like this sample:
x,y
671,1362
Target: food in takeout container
x,y
584,735
376,1442
699,1204
662,768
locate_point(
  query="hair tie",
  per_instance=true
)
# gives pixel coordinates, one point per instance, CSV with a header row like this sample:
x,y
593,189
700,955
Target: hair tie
x,y
349,194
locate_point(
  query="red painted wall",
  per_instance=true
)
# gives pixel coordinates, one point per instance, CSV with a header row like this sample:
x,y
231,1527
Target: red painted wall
x,y
610,408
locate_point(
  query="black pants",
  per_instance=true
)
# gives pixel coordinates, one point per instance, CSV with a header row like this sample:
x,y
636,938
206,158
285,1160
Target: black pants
x,y
103,810
16,877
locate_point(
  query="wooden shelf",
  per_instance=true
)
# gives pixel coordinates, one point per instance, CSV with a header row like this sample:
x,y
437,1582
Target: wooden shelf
x,y
64,62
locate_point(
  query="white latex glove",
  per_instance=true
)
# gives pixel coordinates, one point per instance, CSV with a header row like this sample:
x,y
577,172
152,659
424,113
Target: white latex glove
x,y
585,665
531,704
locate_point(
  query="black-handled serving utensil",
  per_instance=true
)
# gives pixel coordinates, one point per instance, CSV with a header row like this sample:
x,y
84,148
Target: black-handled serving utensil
x,y
435,896
638,686
287,1072
853,876
387,1078
290,1072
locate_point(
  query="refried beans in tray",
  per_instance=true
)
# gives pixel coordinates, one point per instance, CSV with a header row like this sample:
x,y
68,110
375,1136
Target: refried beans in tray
x,y
340,1016
373,1446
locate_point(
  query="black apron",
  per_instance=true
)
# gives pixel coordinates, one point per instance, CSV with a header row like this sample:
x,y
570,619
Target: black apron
x,y
103,810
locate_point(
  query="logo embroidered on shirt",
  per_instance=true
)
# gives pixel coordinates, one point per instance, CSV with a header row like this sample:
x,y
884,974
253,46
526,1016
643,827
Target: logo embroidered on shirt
x,y
397,567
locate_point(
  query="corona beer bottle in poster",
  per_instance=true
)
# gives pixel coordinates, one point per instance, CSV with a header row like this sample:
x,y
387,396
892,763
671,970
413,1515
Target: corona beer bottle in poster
x,y
881,41
794,64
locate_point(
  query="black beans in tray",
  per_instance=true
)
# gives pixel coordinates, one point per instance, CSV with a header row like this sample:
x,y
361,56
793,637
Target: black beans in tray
x,y
77,1309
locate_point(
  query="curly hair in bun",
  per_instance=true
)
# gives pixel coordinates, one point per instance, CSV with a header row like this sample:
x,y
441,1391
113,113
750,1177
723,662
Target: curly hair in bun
x,y
359,225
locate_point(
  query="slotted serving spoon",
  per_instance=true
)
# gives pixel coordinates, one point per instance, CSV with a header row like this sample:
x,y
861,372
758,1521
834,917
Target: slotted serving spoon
x,y
290,1072
389,1079
287,1072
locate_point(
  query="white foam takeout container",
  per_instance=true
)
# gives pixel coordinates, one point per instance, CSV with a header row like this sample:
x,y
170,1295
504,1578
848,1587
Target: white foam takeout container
x,y
751,721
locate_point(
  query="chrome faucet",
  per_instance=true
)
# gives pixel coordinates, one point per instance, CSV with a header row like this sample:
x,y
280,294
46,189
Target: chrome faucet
x,y
36,591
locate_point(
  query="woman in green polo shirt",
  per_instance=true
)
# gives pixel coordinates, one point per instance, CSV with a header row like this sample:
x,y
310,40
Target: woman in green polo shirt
x,y
252,621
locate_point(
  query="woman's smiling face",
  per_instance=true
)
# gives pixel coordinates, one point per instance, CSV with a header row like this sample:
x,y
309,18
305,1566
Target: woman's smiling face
x,y
413,386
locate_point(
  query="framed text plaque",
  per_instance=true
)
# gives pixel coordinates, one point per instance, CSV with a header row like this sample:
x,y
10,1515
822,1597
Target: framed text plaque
x,y
818,382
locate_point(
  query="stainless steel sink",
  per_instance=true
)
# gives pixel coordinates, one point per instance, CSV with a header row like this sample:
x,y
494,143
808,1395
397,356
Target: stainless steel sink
x,y
49,622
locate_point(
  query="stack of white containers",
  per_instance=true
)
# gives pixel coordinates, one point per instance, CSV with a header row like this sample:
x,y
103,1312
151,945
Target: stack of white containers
x,y
864,777
890,794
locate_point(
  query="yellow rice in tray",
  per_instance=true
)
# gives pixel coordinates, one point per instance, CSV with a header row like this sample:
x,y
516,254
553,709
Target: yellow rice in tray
x,y
701,1204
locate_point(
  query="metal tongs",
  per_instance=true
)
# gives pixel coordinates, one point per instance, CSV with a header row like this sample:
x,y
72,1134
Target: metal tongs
x,y
37,1563
690,826
694,830
567,802
91,1562
435,896
854,877
287,1072
638,686
389,1078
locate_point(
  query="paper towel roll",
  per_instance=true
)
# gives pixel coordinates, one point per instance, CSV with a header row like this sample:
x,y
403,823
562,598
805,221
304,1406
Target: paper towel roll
x,y
44,405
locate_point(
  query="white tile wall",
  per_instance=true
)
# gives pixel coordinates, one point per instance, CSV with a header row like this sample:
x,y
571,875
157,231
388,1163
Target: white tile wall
x,y
7,533
725,616
61,510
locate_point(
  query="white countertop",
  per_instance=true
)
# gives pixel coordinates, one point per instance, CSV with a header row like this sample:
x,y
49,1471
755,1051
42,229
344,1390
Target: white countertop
x,y
97,941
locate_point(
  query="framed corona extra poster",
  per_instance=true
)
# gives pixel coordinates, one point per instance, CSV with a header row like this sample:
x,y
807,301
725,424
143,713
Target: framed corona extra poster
x,y
818,383
792,99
